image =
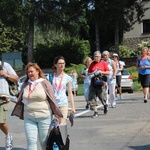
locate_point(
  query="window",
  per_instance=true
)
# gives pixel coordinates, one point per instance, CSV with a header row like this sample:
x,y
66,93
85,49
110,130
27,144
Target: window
x,y
146,26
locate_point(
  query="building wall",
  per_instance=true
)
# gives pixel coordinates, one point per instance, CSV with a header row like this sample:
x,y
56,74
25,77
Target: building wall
x,y
136,36
14,59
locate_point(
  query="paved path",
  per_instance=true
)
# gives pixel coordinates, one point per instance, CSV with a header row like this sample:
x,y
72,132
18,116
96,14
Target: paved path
x,y
126,127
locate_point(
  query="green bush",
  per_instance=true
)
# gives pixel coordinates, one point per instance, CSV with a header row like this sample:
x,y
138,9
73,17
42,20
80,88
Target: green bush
x,y
73,50
133,71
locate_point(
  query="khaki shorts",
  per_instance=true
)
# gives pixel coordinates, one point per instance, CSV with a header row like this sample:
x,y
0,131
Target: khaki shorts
x,y
64,111
3,113
99,92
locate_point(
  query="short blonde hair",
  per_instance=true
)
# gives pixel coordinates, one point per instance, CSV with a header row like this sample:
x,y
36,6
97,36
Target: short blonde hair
x,y
87,59
145,48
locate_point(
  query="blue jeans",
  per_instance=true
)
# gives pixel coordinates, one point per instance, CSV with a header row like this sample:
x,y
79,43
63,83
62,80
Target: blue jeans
x,y
33,128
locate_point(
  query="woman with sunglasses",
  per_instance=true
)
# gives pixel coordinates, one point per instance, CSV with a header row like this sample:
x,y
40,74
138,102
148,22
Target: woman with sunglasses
x,y
119,67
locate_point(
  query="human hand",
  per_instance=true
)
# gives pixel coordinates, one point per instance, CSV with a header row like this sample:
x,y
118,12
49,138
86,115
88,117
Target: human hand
x,y
4,98
3,73
73,110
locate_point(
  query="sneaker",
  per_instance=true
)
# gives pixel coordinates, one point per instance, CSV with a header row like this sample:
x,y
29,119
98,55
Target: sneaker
x,y
9,142
105,109
113,106
91,107
95,115
121,97
87,106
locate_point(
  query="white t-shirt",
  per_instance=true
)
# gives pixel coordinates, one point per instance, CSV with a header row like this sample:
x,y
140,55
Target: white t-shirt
x,y
60,85
4,89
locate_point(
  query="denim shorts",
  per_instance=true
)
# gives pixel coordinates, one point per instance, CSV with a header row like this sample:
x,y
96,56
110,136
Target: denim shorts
x,y
3,113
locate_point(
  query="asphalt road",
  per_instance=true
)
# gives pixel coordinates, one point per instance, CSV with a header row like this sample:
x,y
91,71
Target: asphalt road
x,y
126,127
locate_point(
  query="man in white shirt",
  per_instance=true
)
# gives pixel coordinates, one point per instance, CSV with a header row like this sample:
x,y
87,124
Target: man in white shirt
x,y
6,73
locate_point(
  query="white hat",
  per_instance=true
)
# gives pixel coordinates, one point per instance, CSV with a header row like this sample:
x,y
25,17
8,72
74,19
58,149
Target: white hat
x,y
115,54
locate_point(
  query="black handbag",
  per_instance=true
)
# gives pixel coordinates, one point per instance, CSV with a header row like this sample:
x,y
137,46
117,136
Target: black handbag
x,y
55,136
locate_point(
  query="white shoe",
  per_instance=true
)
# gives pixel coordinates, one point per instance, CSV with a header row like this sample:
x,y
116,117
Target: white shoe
x,y
116,98
8,142
113,106
121,98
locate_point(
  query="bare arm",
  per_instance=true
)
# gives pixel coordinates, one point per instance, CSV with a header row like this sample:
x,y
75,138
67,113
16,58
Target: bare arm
x,y
71,97
114,69
11,78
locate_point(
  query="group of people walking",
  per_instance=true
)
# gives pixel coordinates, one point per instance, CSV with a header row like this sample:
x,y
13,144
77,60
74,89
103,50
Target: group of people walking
x,y
40,101
102,76
109,69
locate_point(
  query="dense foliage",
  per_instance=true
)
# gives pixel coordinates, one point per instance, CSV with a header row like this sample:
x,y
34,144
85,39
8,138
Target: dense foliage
x,y
101,23
11,40
73,50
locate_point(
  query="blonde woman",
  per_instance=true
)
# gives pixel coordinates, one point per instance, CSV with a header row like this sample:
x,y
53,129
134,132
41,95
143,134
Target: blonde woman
x,y
87,80
143,66
74,76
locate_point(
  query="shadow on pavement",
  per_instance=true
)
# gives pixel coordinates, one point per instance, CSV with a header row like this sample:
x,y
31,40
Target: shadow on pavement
x,y
14,148
142,147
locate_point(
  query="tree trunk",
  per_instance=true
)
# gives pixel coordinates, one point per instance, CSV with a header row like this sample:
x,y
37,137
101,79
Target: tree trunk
x,y
97,44
117,38
97,36
30,39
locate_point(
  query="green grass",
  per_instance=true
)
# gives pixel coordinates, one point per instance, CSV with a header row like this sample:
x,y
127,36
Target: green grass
x,y
80,89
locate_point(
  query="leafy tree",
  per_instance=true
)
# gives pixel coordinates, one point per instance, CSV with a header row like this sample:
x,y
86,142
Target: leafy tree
x,y
11,40
73,50
12,14
107,17
50,14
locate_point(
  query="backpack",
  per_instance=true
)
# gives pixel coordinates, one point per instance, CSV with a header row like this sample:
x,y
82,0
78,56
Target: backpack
x,y
51,76
13,86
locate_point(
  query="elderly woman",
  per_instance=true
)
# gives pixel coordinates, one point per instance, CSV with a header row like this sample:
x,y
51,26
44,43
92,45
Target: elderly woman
x,y
36,105
143,66
111,79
